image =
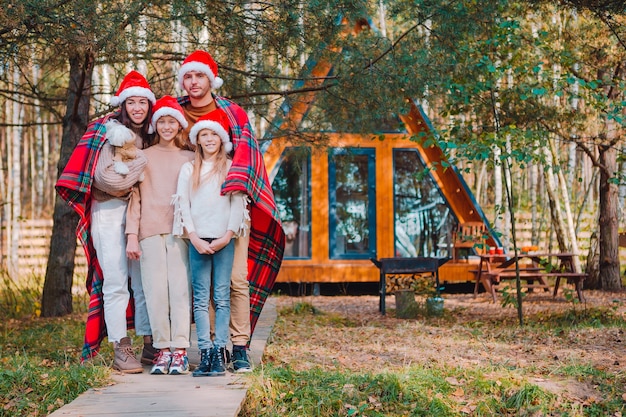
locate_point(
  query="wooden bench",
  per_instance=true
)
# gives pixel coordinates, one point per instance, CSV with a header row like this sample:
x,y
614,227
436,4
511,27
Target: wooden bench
x,y
572,277
494,268
526,273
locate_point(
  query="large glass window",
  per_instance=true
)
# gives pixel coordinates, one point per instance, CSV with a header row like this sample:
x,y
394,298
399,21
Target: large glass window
x,y
292,193
423,221
352,199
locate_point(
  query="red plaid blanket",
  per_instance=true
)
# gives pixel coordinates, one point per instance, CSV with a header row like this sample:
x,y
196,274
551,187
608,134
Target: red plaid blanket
x,y
74,186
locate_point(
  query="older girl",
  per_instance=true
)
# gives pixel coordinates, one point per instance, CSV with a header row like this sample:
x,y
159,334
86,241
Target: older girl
x,y
163,256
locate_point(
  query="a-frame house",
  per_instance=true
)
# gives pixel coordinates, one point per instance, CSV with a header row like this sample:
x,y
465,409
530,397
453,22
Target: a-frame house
x,y
363,198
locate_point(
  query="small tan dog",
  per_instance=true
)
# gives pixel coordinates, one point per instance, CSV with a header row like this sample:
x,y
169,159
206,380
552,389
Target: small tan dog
x,y
123,140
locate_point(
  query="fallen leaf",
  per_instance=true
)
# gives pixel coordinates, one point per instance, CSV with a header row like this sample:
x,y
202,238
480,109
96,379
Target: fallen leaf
x,y
452,380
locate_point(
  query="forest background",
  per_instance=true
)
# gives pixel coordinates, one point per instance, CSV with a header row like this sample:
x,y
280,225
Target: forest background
x,y
526,97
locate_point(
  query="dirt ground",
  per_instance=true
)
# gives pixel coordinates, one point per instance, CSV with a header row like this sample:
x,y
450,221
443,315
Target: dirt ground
x,y
473,332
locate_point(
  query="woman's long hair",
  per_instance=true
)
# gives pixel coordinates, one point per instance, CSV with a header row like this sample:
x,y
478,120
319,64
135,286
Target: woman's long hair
x,y
219,170
148,139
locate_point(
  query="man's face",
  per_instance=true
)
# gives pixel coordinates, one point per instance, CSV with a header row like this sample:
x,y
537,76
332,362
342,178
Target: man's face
x,y
196,84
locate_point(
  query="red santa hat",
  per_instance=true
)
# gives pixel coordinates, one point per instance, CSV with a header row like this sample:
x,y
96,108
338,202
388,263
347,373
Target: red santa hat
x,y
167,106
133,85
200,61
217,121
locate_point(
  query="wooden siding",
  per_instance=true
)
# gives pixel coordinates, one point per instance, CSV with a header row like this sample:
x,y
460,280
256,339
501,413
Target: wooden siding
x,y
320,268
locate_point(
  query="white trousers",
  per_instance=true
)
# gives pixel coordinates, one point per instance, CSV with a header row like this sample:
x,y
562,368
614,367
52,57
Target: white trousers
x,y
108,219
166,284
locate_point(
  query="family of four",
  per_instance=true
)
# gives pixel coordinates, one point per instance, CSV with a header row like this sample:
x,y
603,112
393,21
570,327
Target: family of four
x,y
185,221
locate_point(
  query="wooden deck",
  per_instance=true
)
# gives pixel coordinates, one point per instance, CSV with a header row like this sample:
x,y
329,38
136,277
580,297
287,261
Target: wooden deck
x,y
145,395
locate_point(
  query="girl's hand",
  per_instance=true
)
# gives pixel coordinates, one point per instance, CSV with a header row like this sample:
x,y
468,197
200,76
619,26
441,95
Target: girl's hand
x,y
202,246
219,243
133,251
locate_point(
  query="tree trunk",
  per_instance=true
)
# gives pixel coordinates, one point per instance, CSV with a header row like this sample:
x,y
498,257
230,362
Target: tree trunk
x,y
592,282
553,200
57,291
573,242
497,189
609,255
15,179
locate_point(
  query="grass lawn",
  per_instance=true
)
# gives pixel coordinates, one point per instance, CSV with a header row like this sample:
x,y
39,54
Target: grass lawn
x,y
337,356
40,366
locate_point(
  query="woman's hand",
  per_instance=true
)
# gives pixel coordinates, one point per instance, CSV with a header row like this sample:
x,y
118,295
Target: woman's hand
x,y
133,251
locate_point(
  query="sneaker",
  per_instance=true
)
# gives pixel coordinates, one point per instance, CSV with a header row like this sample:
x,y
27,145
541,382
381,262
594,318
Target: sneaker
x,y
162,363
217,366
125,360
179,364
240,361
149,354
205,363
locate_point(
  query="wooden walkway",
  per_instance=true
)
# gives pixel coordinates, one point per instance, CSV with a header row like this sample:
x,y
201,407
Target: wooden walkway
x,y
143,395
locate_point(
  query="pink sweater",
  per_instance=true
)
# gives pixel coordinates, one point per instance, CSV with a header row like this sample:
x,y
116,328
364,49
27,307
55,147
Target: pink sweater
x,y
150,211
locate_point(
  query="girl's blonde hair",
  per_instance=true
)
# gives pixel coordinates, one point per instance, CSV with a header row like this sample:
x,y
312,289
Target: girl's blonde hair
x,y
219,170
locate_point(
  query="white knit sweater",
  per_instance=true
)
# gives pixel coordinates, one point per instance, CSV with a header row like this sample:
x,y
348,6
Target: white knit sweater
x,y
204,210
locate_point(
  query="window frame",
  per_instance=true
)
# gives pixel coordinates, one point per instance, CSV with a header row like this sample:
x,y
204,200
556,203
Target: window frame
x,y
333,254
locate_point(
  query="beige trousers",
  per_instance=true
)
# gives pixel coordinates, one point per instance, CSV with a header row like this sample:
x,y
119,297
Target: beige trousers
x,y
167,288
240,294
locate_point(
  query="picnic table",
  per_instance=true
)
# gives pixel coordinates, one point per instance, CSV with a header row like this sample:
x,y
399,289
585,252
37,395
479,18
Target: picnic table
x,y
414,265
493,269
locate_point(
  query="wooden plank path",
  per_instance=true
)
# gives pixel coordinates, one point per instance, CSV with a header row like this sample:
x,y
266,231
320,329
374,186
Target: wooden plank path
x,y
143,395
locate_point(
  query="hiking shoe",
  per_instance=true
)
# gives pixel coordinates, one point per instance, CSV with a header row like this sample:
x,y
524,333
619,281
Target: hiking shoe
x,y
162,363
240,361
203,367
125,360
149,354
179,364
217,366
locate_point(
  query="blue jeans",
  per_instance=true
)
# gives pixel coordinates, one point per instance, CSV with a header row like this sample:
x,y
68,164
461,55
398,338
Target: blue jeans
x,y
218,267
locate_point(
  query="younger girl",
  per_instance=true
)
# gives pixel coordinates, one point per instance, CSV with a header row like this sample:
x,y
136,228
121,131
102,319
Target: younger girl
x,y
211,220
163,256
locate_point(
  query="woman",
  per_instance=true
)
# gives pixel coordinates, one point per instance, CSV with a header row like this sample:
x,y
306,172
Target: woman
x,y
90,185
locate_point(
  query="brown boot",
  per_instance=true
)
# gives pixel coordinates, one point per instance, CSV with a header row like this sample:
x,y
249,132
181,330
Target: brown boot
x,y
125,360
149,352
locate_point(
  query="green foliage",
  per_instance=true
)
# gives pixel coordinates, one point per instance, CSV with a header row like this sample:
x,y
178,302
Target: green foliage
x,y
20,299
528,399
305,308
40,368
509,297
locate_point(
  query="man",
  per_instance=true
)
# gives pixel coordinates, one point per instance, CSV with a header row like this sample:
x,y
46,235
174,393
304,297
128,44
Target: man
x,y
259,253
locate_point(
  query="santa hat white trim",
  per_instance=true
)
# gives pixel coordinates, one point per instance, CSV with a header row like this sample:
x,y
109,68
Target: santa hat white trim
x,y
167,111
216,82
133,92
214,126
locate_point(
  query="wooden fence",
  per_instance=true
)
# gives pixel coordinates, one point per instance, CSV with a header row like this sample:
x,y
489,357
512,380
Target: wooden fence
x,y
33,248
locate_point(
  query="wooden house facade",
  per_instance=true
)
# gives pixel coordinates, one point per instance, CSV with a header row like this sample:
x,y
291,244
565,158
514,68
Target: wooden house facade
x,y
367,197
364,196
